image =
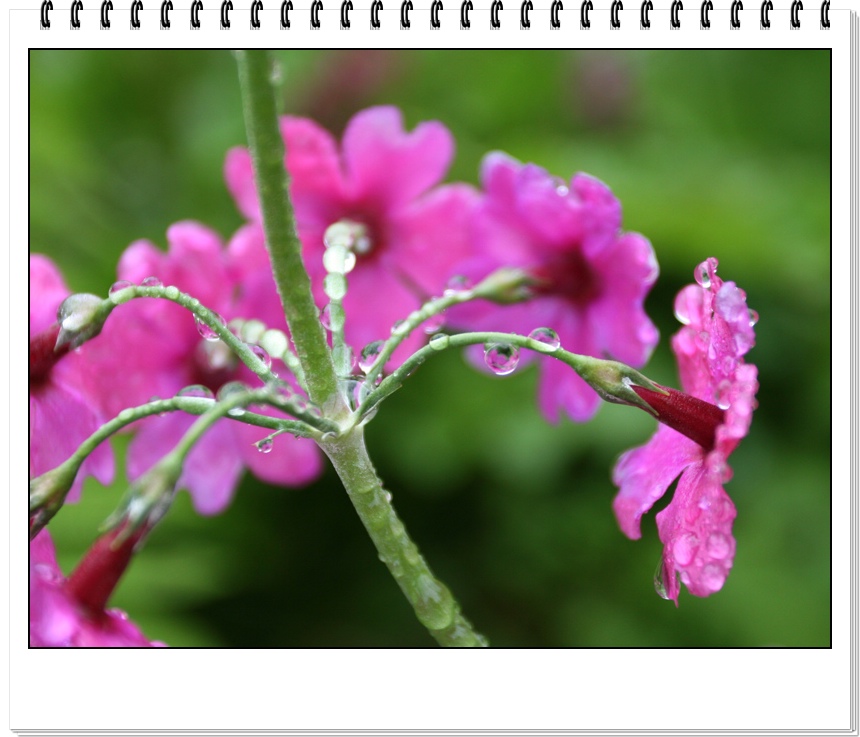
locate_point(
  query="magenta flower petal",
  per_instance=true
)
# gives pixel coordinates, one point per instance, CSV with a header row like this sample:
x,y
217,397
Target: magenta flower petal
x,y
441,216
291,462
317,187
389,166
618,317
378,299
47,291
643,475
696,531
247,253
60,420
63,392
239,176
561,390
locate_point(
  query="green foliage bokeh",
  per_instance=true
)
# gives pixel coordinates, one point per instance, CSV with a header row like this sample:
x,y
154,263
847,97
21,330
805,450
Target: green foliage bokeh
x,y
712,153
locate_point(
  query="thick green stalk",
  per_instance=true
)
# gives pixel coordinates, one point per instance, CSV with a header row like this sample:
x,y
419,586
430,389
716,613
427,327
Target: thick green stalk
x,y
293,283
433,603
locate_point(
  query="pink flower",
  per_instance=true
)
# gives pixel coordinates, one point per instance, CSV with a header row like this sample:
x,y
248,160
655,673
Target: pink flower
x,y
590,278
696,526
383,179
63,390
162,352
70,613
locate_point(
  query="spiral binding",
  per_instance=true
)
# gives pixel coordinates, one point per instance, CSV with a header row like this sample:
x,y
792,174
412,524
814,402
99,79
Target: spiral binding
x,y
168,12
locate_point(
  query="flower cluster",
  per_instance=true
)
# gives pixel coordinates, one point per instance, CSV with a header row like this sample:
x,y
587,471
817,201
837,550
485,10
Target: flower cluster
x,y
413,237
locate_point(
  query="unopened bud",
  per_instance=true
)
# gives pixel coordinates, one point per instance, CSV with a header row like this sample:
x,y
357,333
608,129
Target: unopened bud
x,y
147,499
506,286
47,494
693,417
81,317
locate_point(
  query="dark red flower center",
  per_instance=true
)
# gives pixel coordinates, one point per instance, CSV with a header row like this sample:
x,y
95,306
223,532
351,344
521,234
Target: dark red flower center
x,y
568,276
43,357
213,365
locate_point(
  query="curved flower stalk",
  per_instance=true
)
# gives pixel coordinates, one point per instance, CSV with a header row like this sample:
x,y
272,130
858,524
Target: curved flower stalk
x,y
384,180
696,526
71,612
588,279
164,351
63,386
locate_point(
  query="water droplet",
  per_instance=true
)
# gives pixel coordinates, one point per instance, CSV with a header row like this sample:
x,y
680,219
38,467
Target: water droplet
x,y
196,390
77,311
204,330
713,577
561,187
151,281
325,317
681,314
684,549
387,495
156,398
334,285
660,581
370,354
265,445
548,337
399,328
703,278
439,341
458,283
171,292
229,390
724,394
338,260
117,287
262,355
502,358
719,546
355,389
434,323
753,318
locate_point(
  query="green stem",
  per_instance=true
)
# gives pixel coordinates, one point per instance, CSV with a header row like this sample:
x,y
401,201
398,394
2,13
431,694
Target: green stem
x,y
293,282
608,378
242,350
432,601
48,491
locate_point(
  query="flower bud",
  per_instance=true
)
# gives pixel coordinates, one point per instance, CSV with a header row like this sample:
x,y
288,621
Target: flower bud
x,y
47,494
506,286
94,580
81,317
693,417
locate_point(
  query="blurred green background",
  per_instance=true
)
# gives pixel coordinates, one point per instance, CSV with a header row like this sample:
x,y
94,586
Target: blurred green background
x,y
712,153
